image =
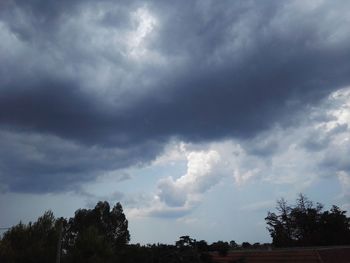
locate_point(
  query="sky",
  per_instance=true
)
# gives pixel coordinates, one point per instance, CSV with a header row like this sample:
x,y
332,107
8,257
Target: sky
x,y
195,115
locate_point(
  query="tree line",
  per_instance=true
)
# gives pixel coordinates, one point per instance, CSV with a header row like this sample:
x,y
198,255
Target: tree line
x,y
101,235
307,224
98,235
92,235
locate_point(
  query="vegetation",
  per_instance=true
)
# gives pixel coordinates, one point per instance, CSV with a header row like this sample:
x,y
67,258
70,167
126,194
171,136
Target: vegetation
x,y
306,224
96,235
101,235
31,243
92,235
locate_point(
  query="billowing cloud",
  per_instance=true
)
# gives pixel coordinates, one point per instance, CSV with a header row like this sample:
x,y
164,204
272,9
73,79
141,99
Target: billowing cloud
x,y
316,147
296,156
87,87
202,173
176,197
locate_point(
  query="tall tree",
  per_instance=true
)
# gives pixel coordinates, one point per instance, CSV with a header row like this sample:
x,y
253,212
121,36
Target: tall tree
x,y
120,232
33,242
306,224
93,234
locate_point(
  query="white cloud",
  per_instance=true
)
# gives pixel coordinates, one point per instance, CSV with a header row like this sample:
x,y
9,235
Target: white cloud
x,y
157,208
173,152
295,156
146,23
298,155
202,173
177,196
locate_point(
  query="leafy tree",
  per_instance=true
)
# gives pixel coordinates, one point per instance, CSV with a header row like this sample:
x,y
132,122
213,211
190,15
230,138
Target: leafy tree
x,y
306,224
202,245
334,227
35,242
95,235
92,235
188,249
305,218
221,247
120,232
246,245
90,246
233,244
256,245
185,241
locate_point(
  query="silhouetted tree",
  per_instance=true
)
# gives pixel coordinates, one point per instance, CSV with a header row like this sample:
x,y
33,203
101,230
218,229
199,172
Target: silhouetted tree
x,y
202,245
334,227
306,225
233,244
185,241
188,250
246,245
34,242
95,235
221,247
90,246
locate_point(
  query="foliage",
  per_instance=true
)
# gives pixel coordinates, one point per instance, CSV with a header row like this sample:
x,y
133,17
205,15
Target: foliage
x,y
111,224
221,247
233,244
190,250
90,246
35,242
92,235
185,241
101,235
96,235
306,224
246,245
202,245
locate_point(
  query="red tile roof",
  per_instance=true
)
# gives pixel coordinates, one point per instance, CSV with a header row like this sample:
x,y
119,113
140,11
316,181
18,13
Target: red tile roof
x,y
313,255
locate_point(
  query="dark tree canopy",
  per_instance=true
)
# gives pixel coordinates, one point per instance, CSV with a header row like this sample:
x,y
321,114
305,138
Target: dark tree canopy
x,y
92,235
111,224
95,235
35,242
185,241
306,224
101,235
221,247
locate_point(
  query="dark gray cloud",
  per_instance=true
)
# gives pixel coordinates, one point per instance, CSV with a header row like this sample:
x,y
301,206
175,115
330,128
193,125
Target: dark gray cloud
x,y
119,79
38,162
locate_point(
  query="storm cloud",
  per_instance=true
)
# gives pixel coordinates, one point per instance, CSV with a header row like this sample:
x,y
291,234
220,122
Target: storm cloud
x,y
88,87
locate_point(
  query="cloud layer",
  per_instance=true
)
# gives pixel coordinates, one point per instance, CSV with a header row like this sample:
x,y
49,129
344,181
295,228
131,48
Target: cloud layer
x,y
89,87
297,157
